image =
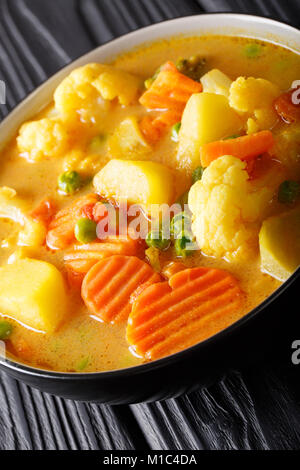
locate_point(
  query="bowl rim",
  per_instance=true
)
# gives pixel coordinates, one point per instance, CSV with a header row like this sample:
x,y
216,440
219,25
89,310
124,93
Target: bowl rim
x,y
19,367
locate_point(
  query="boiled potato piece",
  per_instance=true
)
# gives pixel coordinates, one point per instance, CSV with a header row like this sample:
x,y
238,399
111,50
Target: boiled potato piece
x,y
138,182
33,292
127,141
217,82
207,117
279,241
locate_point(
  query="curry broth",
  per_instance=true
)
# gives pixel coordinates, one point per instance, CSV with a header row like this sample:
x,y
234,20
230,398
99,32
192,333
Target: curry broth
x,y
84,343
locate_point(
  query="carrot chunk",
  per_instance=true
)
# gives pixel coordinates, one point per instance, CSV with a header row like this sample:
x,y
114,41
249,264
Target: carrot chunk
x,y
285,108
153,129
246,147
170,316
44,212
81,258
109,284
61,228
169,92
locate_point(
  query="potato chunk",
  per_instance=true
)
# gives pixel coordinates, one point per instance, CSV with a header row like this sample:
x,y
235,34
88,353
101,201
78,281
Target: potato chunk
x,y
279,241
207,117
33,292
227,210
217,82
127,141
42,139
138,182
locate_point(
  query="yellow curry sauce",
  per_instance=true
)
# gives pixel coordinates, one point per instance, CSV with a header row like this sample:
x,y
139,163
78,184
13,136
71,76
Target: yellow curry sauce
x,y
83,343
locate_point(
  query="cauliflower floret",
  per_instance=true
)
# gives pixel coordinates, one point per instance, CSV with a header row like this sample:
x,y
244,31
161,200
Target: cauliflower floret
x,y
86,164
114,83
227,210
86,91
254,97
287,147
41,139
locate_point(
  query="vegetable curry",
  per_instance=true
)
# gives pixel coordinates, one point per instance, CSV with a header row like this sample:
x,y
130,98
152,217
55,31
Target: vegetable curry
x,y
152,204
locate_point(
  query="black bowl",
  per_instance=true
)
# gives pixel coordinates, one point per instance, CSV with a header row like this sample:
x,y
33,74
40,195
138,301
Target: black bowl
x,y
267,331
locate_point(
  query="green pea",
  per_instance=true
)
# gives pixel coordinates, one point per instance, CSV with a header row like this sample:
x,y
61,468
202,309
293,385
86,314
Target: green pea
x,y
5,329
175,132
183,199
233,136
193,67
83,364
150,80
156,239
253,50
85,230
181,248
288,192
97,142
181,222
69,181
197,174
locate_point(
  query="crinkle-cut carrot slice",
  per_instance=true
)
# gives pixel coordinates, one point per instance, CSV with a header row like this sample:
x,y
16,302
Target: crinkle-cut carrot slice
x,y
109,284
61,229
170,90
170,316
44,212
172,268
81,258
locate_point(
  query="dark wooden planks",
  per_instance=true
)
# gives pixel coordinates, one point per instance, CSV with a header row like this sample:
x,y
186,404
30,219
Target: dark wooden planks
x,y
251,409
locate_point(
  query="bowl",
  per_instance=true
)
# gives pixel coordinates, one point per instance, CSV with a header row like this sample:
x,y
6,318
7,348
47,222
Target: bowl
x,y
262,332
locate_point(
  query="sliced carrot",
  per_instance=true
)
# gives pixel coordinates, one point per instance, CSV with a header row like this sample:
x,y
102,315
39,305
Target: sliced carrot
x,y
61,228
153,129
285,108
172,268
44,212
75,279
109,284
139,290
169,92
81,258
246,147
170,316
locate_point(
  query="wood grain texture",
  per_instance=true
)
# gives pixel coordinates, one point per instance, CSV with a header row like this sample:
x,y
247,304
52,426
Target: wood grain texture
x,y
257,408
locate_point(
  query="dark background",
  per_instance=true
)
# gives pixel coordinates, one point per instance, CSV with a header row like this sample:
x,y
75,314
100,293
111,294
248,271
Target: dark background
x,y
253,408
